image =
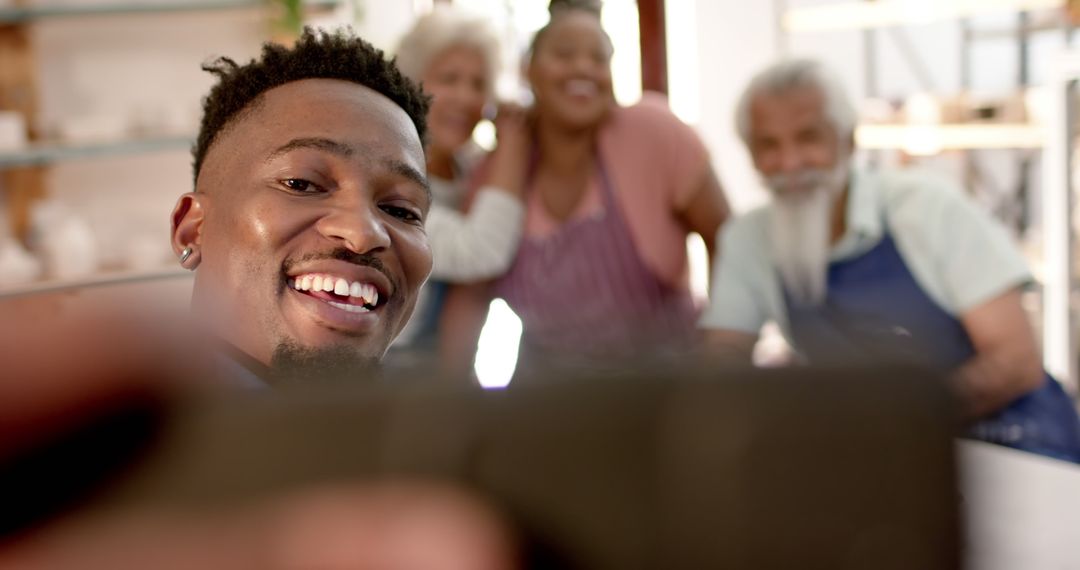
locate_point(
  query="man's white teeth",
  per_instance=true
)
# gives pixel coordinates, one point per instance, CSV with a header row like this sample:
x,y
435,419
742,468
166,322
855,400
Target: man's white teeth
x,y
349,308
339,286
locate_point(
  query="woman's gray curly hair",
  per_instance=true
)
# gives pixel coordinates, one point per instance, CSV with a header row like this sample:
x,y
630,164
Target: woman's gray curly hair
x,y
443,28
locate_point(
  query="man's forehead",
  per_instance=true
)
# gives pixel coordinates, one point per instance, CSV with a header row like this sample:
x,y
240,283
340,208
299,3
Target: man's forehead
x,y
795,99
336,104
329,108
788,108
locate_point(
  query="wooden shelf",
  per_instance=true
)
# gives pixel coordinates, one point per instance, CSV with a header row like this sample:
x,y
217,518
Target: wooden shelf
x,y
99,280
43,153
24,14
931,139
1012,33
884,13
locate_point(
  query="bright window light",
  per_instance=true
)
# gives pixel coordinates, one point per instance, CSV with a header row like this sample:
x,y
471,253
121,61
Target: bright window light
x,y
930,139
620,19
497,352
484,135
682,47
699,266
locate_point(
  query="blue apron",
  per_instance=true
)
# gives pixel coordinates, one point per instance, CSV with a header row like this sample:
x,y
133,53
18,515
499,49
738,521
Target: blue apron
x,y
875,310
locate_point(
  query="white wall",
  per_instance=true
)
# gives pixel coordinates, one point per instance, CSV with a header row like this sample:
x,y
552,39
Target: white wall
x,y
734,39
383,22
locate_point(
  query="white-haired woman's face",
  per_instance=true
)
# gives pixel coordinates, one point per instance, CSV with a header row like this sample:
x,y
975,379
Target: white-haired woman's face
x,y
792,140
458,81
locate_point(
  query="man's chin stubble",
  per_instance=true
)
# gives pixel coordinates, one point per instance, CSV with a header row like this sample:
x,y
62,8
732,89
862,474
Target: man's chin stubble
x,y
293,363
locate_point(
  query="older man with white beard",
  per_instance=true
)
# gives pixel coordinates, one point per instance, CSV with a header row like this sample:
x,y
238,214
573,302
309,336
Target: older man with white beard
x,y
859,265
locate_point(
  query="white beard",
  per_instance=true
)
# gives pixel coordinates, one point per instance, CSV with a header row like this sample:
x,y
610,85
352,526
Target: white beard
x,y
800,228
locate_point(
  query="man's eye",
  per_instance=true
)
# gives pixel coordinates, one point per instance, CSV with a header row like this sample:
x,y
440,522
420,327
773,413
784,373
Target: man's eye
x,y
300,185
402,213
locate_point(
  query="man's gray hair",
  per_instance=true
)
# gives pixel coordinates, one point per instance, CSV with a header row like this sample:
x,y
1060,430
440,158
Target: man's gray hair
x,y
789,74
443,28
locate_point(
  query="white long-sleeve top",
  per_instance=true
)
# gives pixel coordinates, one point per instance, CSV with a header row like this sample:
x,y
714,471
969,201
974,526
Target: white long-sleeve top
x,y
477,245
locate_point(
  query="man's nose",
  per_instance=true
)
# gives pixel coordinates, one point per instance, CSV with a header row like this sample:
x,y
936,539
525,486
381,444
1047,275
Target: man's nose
x,y
791,159
360,229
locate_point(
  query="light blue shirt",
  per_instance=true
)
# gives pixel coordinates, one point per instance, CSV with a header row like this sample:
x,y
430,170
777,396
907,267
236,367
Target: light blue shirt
x,y
958,254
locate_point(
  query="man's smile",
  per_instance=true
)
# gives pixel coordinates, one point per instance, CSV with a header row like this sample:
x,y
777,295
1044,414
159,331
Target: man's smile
x,y
354,296
343,296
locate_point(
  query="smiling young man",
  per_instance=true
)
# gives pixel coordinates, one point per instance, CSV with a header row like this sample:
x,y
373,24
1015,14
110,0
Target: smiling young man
x,y
306,226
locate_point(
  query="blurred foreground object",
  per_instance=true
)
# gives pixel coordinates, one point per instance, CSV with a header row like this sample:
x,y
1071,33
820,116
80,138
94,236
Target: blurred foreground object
x,y
765,469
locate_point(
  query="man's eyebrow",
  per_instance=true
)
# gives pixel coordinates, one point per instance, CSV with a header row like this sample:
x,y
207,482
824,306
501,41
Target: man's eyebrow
x,y
346,151
326,145
402,169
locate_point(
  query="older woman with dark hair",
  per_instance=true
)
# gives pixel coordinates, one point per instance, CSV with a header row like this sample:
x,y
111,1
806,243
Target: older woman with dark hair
x,y
611,195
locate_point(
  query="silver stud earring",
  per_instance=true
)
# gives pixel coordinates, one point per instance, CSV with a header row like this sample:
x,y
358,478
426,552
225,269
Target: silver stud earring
x,y
184,255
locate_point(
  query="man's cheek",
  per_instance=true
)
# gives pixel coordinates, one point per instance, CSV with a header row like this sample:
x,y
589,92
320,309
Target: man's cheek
x,y
414,253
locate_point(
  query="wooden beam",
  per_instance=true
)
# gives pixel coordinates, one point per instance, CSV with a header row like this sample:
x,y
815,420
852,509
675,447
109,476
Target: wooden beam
x,y
18,92
23,187
651,27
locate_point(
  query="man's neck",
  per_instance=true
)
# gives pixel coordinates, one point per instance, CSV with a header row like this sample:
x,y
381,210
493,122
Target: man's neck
x,y
243,361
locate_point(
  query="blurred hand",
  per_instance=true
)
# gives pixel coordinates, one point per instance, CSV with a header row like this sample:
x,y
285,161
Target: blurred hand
x,y
67,355
510,160
374,526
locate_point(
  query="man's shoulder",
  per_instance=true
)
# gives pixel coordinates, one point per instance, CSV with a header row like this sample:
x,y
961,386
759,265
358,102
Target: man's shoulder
x,y
914,188
750,225
744,240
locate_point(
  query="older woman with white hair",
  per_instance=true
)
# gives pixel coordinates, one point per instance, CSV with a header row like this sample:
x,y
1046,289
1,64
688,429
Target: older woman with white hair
x,y
863,265
455,56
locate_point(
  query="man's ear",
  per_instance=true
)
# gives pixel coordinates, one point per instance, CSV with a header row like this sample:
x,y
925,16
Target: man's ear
x,y
187,221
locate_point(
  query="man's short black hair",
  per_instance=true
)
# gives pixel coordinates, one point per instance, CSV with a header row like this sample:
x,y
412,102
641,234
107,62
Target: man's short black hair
x,y
316,55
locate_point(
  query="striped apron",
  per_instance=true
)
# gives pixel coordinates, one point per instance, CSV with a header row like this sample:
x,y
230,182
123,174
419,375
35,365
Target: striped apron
x,y
584,294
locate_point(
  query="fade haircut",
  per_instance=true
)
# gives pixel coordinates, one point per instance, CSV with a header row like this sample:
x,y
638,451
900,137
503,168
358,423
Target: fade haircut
x,y
316,55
